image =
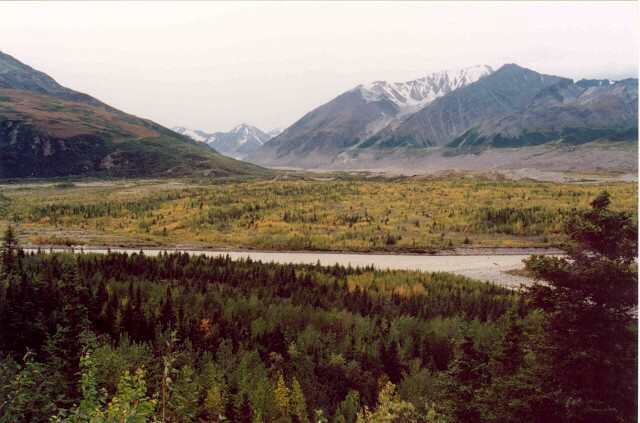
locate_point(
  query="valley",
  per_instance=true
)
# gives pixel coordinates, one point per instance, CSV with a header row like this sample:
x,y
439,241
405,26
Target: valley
x,y
337,212
319,212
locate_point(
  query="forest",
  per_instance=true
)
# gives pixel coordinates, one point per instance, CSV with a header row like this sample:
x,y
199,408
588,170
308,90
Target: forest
x,y
178,338
339,212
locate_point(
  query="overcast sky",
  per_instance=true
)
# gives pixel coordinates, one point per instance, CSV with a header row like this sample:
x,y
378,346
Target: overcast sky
x,y
213,65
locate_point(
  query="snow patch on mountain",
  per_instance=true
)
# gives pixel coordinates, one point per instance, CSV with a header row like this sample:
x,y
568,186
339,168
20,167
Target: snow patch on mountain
x,y
196,135
412,95
275,132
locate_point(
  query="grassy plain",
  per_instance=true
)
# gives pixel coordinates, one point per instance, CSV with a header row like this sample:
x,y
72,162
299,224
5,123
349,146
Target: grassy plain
x,y
336,213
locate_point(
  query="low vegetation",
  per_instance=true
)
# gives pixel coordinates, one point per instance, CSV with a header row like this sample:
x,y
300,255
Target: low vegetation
x,y
346,214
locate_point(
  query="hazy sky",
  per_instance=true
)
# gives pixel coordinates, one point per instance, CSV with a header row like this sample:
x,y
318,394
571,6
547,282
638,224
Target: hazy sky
x,y
214,65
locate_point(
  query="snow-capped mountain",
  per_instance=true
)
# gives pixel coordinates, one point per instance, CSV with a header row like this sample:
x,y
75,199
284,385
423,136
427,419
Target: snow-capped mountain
x,y
412,95
455,116
360,113
237,143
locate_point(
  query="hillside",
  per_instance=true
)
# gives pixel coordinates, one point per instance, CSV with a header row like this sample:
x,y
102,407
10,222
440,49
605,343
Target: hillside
x,y
517,107
508,90
47,130
572,113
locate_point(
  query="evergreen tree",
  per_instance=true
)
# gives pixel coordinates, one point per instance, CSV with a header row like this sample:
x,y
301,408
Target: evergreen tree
x,y
185,393
8,251
65,347
465,377
588,357
391,362
348,408
167,314
514,391
510,355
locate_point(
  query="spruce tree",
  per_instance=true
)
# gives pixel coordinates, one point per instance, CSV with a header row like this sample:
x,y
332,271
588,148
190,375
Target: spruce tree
x,y
167,314
8,251
467,374
588,357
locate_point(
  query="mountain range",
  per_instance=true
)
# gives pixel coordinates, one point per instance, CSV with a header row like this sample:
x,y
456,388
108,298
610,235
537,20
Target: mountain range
x,y
47,130
475,118
357,115
238,143
439,120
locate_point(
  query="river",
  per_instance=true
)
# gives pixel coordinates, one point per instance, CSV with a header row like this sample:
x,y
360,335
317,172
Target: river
x,y
490,268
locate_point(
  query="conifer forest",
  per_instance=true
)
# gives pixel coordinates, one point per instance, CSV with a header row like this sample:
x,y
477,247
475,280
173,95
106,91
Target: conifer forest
x,y
176,338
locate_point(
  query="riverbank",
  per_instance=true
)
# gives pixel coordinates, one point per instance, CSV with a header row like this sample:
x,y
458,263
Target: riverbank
x,y
462,251
494,268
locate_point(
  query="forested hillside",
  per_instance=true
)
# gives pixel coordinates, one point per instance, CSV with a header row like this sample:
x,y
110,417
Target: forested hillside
x,y
106,338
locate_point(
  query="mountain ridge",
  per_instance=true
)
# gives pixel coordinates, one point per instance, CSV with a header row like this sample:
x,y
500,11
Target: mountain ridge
x,y
240,141
507,90
357,114
47,130
511,107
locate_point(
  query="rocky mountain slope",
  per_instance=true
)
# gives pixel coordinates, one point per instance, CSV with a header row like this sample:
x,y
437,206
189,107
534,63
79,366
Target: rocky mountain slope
x,y
511,105
357,114
238,143
573,113
47,130
511,108
412,95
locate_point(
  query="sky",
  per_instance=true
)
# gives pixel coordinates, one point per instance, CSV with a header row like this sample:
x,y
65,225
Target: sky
x,y
213,65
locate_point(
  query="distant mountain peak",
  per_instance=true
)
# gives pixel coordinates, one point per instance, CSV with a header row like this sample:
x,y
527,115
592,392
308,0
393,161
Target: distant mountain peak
x,y
243,127
241,140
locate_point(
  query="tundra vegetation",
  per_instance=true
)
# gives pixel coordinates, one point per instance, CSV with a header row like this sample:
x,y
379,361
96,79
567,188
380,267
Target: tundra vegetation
x,y
343,213
179,338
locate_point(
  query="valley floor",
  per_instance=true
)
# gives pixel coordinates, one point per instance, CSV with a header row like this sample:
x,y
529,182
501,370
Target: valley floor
x,y
305,212
556,162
